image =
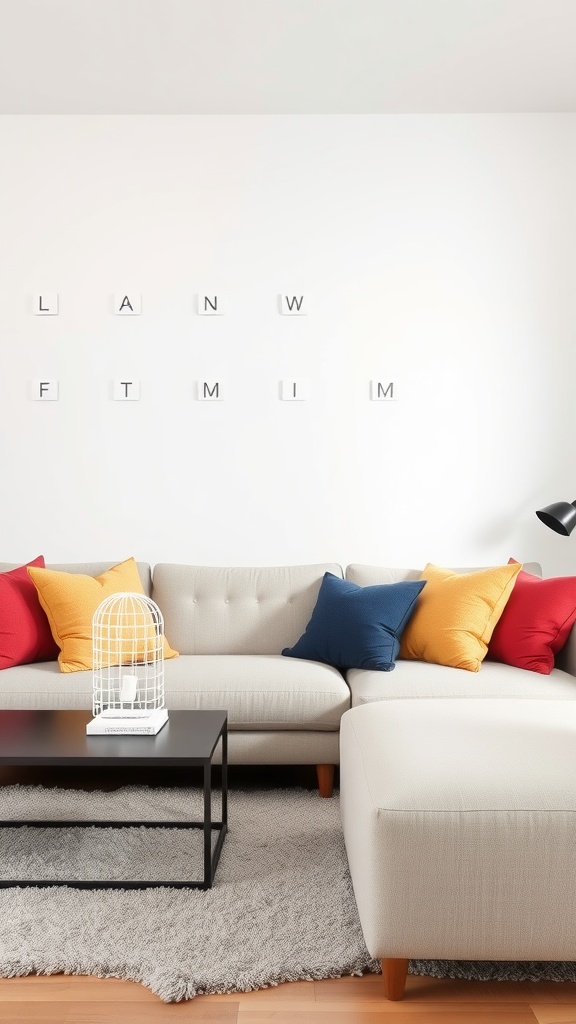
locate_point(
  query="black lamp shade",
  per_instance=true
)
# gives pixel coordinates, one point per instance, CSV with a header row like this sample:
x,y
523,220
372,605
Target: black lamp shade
x,y
560,517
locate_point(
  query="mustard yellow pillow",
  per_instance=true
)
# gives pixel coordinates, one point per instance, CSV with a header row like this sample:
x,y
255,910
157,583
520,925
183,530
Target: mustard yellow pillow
x,y
70,600
455,615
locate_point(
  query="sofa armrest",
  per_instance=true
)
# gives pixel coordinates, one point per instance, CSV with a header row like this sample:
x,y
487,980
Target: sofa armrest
x,y
566,658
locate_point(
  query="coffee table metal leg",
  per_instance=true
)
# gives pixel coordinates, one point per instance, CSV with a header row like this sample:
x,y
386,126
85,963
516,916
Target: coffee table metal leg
x,y
225,778
208,825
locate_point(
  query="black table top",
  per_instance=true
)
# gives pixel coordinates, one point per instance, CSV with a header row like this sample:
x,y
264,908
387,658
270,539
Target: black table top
x,y
59,738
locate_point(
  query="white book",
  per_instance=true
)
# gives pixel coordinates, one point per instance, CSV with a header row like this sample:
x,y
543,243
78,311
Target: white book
x,y
128,723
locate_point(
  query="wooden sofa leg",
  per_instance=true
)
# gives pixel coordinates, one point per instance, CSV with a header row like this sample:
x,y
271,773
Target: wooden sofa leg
x,y
394,972
325,773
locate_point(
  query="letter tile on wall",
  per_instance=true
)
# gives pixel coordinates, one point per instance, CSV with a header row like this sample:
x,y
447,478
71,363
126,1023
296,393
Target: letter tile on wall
x,y
293,305
381,391
295,390
209,305
44,390
209,391
127,304
45,303
126,390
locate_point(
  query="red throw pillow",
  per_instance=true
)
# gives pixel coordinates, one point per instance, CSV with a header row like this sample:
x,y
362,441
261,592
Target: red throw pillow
x,y
535,623
25,633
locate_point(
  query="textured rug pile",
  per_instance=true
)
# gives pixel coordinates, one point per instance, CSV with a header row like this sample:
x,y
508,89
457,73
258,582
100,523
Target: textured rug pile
x,y
282,907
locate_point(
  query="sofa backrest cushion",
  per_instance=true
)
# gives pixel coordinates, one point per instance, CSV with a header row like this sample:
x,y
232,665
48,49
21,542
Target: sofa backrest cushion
x,y
239,610
91,569
369,575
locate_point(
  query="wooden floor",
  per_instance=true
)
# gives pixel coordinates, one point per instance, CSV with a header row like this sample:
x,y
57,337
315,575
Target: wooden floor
x,y
61,999
68,1000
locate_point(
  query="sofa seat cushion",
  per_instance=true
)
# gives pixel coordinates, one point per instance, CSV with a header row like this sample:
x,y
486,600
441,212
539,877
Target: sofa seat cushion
x,y
43,687
259,691
422,679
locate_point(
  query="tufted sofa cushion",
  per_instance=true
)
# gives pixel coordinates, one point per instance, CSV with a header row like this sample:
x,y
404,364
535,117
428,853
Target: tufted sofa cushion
x,y
219,610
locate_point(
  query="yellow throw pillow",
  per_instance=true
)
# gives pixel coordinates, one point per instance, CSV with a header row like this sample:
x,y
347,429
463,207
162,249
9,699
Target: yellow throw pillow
x,y
70,600
455,615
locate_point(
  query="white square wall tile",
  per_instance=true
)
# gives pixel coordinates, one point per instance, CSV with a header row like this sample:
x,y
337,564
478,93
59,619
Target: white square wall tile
x,y
382,391
209,390
44,390
295,390
126,390
45,303
209,304
127,304
294,304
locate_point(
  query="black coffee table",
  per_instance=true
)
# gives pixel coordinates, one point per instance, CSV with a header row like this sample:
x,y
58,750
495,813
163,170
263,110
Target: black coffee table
x,y
188,739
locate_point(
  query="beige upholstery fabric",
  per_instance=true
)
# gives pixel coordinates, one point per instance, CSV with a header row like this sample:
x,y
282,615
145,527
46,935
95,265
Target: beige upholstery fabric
x,y
43,687
460,825
419,679
566,658
259,691
212,610
91,569
281,748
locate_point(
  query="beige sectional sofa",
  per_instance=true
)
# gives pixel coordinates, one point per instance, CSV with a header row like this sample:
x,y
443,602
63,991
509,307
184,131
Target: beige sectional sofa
x,y
230,626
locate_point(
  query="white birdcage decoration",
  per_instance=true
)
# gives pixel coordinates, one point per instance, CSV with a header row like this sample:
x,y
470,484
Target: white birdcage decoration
x,y
127,666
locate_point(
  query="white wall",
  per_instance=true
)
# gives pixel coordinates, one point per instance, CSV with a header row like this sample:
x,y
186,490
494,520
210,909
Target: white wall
x,y
437,251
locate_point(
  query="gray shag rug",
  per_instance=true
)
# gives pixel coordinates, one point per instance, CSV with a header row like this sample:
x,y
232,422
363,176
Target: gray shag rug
x,y
281,909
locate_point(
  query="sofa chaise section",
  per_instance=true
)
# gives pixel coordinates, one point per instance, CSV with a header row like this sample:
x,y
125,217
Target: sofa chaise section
x,y
459,821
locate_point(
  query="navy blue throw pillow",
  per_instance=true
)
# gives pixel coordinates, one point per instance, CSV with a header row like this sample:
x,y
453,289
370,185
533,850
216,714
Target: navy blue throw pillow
x,y
357,627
